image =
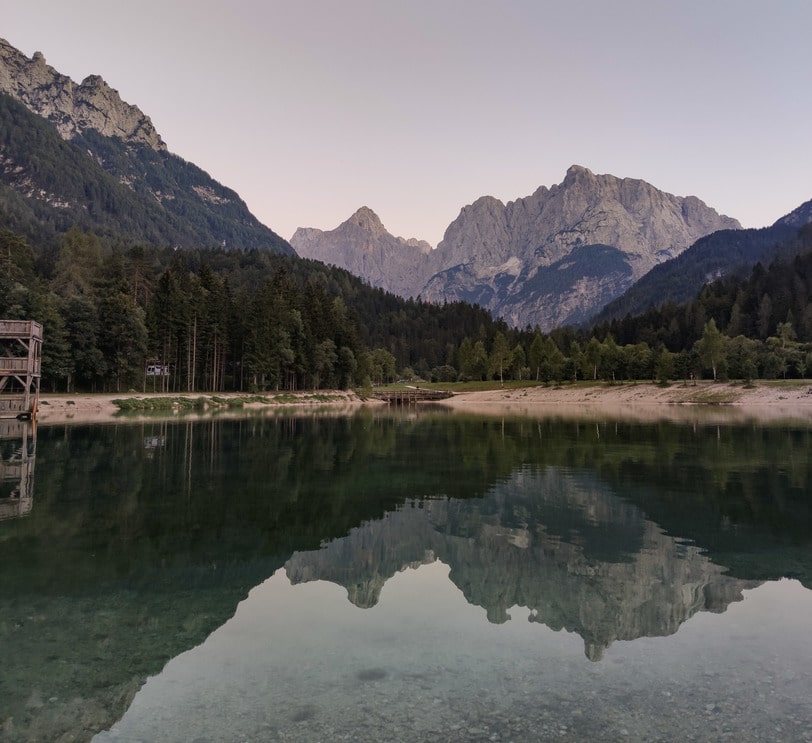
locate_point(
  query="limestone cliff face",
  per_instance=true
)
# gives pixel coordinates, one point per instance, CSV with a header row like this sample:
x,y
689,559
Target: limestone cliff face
x,y
501,254
72,108
552,258
364,247
575,554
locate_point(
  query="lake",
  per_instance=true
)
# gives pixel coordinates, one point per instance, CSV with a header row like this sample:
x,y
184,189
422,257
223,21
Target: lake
x,y
426,576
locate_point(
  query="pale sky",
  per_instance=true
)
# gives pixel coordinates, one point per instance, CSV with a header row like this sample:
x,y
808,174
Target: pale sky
x,y
310,109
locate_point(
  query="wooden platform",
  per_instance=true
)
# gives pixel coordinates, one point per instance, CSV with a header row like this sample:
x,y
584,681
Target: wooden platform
x,y
20,367
411,396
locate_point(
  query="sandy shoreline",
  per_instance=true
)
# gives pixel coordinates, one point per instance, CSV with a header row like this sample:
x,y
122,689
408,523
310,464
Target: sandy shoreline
x,y
704,401
101,407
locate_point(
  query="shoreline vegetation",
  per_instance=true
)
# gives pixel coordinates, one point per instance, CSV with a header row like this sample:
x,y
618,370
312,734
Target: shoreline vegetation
x,y
761,401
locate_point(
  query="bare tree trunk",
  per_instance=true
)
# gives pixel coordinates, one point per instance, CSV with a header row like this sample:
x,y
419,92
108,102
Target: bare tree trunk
x,y
194,355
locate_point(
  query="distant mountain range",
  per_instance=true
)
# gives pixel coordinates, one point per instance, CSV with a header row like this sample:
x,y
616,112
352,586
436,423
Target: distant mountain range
x,y
553,258
77,154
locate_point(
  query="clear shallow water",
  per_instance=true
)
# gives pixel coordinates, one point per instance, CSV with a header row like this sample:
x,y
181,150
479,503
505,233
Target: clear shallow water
x,y
425,578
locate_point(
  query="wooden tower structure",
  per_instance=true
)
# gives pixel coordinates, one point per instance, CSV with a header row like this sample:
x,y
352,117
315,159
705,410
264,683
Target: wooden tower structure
x,y
20,368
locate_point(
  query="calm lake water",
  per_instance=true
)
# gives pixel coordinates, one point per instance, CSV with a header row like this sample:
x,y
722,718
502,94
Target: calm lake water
x,y
429,577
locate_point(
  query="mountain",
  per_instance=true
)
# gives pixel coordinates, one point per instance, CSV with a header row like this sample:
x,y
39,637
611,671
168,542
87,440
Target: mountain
x,y
552,258
722,253
362,246
77,154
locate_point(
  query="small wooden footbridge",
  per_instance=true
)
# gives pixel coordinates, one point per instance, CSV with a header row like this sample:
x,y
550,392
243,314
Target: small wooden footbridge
x,y
411,395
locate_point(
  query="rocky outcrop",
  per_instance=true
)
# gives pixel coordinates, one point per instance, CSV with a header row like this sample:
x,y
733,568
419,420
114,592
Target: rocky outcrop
x,y
552,258
73,108
364,247
107,169
501,254
562,545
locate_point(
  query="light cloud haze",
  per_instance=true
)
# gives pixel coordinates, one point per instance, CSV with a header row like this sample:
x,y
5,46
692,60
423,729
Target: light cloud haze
x,y
311,109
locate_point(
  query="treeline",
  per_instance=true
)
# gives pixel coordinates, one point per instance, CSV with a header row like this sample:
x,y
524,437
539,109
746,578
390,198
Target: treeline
x,y
219,320
762,325
148,318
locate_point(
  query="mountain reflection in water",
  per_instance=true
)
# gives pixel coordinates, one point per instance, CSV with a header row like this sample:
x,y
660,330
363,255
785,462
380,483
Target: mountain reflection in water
x,y
558,543
140,541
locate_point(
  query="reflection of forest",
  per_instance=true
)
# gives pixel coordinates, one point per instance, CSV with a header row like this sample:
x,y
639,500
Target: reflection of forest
x,y
560,544
146,536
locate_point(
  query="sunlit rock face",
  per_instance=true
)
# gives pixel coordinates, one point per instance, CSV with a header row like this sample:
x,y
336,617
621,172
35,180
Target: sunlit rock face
x,y
552,258
565,547
557,256
71,107
363,246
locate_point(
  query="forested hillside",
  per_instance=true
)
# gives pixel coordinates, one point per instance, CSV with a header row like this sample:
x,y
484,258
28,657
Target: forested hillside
x,y
118,190
760,326
722,253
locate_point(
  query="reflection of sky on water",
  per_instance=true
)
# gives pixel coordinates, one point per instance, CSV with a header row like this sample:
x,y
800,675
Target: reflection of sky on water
x,y
607,532
302,663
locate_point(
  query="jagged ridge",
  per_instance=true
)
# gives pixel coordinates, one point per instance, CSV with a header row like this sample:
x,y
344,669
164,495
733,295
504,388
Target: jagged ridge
x,y
72,108
533,260
99,163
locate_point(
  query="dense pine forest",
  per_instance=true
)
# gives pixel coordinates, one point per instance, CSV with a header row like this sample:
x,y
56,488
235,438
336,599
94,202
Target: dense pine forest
x,y
219,320
252,320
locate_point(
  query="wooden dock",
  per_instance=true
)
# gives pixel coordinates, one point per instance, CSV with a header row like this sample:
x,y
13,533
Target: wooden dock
x,y
20,367
411,396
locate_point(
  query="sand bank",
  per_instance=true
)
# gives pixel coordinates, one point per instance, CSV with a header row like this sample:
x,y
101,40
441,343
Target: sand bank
x,y
704,401
97,408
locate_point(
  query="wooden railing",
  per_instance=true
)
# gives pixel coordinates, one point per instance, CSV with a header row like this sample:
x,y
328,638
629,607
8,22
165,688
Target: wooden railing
x,y
21,329
18,365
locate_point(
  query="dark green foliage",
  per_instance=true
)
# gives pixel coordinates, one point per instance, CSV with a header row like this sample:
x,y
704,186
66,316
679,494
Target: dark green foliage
x,y
722,253
765,320
124,191
253,320
222,319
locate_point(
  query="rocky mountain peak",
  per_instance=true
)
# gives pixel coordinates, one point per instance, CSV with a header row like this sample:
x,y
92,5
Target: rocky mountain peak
x,y
551,258
367,220
557,256
363,246
72,108
574,172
